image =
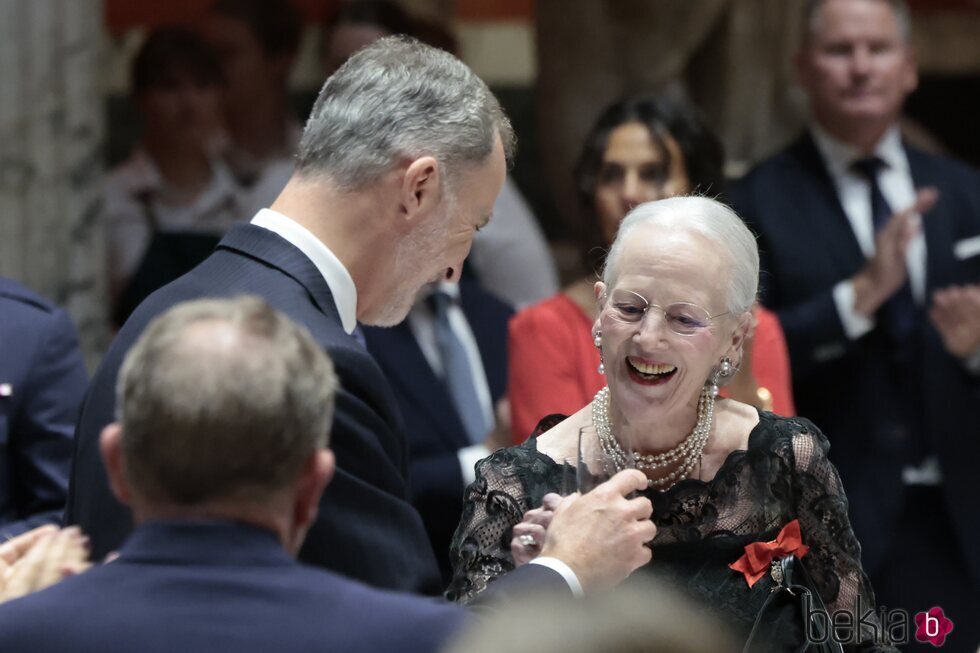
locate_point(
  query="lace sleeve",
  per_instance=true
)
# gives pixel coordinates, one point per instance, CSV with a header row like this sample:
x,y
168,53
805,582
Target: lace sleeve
x,y
835,554
492,505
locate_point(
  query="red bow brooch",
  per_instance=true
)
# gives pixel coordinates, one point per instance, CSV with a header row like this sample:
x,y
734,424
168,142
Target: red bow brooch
x,y
759,555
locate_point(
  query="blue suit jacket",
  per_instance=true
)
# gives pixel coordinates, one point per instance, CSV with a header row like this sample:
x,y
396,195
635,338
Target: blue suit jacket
x,y
219,586
44,379
433,427
366,528
845,386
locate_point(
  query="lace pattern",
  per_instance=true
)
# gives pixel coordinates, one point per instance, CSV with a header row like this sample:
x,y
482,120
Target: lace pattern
x,y
784,474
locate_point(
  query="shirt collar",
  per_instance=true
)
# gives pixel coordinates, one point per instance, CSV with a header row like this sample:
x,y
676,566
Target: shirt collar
x,y
334,273
839,155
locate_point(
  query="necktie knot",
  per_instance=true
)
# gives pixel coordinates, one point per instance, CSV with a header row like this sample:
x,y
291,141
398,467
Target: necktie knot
x,y
868,167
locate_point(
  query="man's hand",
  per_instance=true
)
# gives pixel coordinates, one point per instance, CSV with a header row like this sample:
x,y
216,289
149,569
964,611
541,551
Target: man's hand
x,y
956,314
886,272
40,558
601,534
530,533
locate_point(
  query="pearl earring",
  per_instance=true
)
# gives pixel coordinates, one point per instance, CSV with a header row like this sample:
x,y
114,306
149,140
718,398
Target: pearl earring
x,y
721,374
597,341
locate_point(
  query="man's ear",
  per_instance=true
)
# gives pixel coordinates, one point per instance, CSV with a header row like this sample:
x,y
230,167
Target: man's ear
x,y
316,475
421,188
110,446
910,74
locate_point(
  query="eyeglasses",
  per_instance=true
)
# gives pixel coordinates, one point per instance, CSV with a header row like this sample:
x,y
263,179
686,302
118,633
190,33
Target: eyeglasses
x,y
682,318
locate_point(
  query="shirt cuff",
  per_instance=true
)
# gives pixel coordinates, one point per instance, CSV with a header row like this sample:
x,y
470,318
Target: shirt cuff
x,y
563,570
855,325
468,458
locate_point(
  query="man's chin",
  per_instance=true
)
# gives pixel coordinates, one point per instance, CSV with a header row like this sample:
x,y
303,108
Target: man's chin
x,y
387,316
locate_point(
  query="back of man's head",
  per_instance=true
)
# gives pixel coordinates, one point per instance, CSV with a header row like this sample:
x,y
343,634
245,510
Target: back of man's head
x,y
222,400
397,100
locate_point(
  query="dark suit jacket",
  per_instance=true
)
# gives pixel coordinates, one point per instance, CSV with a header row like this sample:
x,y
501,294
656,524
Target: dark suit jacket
x,y
42,368
846,386
366,528
219,586
433,427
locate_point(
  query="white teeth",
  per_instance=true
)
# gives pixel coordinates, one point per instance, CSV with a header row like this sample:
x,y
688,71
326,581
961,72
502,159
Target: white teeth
x,y
643,368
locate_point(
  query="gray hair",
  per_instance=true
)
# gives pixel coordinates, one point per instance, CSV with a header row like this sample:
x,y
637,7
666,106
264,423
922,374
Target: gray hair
x,y
222,398
899,7
399,99
711,219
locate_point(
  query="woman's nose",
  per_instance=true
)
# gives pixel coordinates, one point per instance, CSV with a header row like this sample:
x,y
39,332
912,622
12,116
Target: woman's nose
x,y
652,329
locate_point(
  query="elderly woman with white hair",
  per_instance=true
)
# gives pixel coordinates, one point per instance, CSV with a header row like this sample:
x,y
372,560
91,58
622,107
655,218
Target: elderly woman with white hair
x,y
724,478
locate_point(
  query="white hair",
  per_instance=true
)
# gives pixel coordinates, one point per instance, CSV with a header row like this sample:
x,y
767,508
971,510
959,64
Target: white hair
x,y
711,219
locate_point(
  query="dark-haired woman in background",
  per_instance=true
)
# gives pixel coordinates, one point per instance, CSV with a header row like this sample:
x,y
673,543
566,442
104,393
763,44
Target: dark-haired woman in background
x,y
167,205
641,149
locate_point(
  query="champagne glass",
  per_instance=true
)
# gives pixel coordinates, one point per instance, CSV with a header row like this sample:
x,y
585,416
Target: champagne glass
x,y
591,465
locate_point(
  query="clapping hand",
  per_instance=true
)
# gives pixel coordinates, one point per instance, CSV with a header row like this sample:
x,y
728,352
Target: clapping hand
x,y
886,271
955,313
39,558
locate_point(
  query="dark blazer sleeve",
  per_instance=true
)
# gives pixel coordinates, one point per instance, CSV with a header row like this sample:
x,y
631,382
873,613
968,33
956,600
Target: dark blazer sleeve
x,y
39,433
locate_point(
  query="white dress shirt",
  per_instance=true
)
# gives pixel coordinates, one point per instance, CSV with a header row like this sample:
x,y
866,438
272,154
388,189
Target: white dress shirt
x,y
333,271
854,192
127,224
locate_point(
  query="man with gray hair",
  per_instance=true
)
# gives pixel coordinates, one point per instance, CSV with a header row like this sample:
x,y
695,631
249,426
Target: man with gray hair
x,y
872,272
221,452
399,165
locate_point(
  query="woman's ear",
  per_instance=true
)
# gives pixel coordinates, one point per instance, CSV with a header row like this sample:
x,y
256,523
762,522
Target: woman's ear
x,y
599,289
742,332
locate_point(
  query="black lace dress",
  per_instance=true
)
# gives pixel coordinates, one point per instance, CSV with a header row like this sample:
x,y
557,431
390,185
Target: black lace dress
x,y
702,527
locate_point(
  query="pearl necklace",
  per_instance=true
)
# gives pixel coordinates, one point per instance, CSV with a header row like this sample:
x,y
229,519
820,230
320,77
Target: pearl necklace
x,y
689,451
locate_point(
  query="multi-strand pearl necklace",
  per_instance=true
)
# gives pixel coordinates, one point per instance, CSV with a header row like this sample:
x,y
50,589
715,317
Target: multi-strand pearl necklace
x,y
688,452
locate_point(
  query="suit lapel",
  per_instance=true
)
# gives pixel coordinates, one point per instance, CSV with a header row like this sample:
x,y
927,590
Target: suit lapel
x,y
823,211
270,248
411,373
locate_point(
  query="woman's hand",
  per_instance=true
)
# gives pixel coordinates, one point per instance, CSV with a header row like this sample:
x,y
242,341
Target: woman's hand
x,y
39,558
529,534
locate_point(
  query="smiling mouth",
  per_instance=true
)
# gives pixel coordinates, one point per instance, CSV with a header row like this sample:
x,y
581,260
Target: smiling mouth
x,y
650,374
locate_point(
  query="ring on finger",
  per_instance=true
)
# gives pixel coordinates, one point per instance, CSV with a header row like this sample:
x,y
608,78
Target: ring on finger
x,y
527,540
